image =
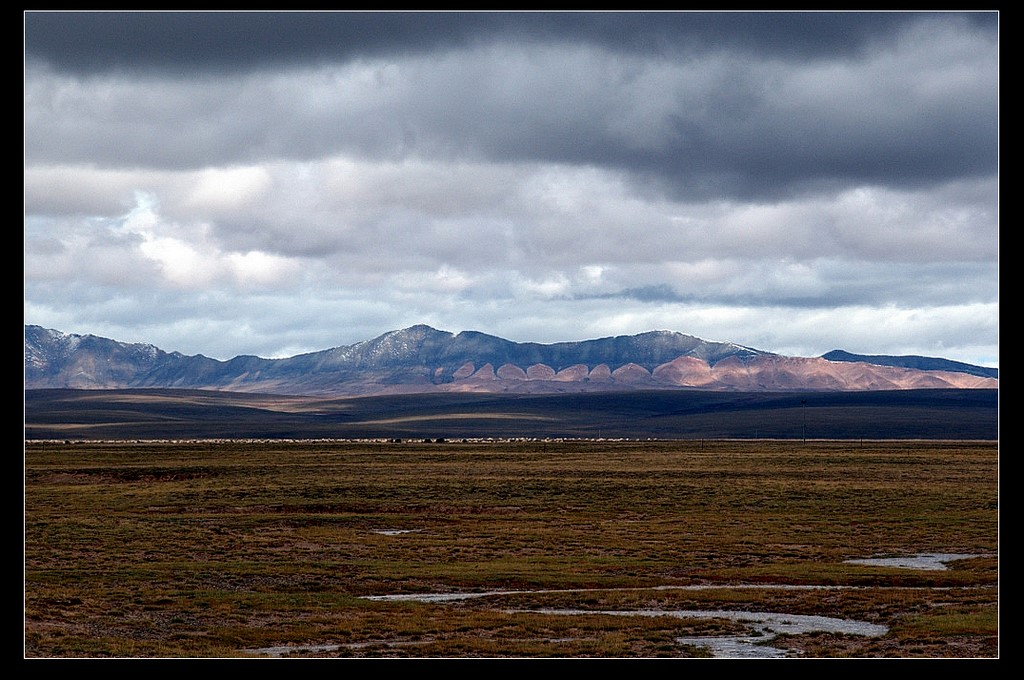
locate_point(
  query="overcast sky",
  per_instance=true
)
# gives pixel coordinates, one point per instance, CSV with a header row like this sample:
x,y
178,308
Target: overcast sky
x,y
272,184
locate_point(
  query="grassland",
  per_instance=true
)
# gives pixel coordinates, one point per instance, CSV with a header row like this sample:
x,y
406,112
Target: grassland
x,y
212,549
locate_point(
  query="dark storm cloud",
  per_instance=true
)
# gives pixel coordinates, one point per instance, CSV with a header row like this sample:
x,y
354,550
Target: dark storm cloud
x,y
750,105
217,41
190,41
830,285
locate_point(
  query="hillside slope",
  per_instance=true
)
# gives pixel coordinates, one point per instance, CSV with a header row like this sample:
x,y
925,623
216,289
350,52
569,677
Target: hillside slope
x,y
421,359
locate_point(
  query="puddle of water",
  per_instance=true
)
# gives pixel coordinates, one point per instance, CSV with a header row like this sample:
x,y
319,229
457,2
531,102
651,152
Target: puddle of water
x,y
452,597
926,561
436,597
766,626
735,647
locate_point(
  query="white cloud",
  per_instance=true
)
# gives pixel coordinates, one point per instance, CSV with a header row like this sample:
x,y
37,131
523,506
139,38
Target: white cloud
x,y
255,268
220,190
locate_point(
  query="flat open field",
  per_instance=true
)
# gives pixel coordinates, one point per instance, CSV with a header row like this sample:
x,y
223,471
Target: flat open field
x,y
219,549
658,414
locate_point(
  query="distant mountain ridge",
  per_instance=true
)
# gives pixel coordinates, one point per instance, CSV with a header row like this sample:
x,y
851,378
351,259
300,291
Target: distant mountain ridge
x,y
424,359
913,361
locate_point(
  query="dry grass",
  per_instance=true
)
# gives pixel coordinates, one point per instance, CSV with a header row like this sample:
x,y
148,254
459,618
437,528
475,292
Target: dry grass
x,y
207,549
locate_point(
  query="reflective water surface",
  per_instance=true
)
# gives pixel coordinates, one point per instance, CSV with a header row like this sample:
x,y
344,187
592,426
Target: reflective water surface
x,y
764,626
927,561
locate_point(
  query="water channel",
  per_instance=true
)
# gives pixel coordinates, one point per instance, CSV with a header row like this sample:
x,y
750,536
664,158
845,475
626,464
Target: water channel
x,y
764,626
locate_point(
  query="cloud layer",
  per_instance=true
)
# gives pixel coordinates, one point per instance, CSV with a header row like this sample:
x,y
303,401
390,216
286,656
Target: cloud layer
x,y
250,183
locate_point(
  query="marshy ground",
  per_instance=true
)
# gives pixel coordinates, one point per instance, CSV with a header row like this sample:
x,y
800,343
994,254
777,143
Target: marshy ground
x,y
224,548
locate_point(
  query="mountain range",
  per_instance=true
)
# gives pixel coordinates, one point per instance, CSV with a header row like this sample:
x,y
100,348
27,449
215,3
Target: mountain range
x,y
422,359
